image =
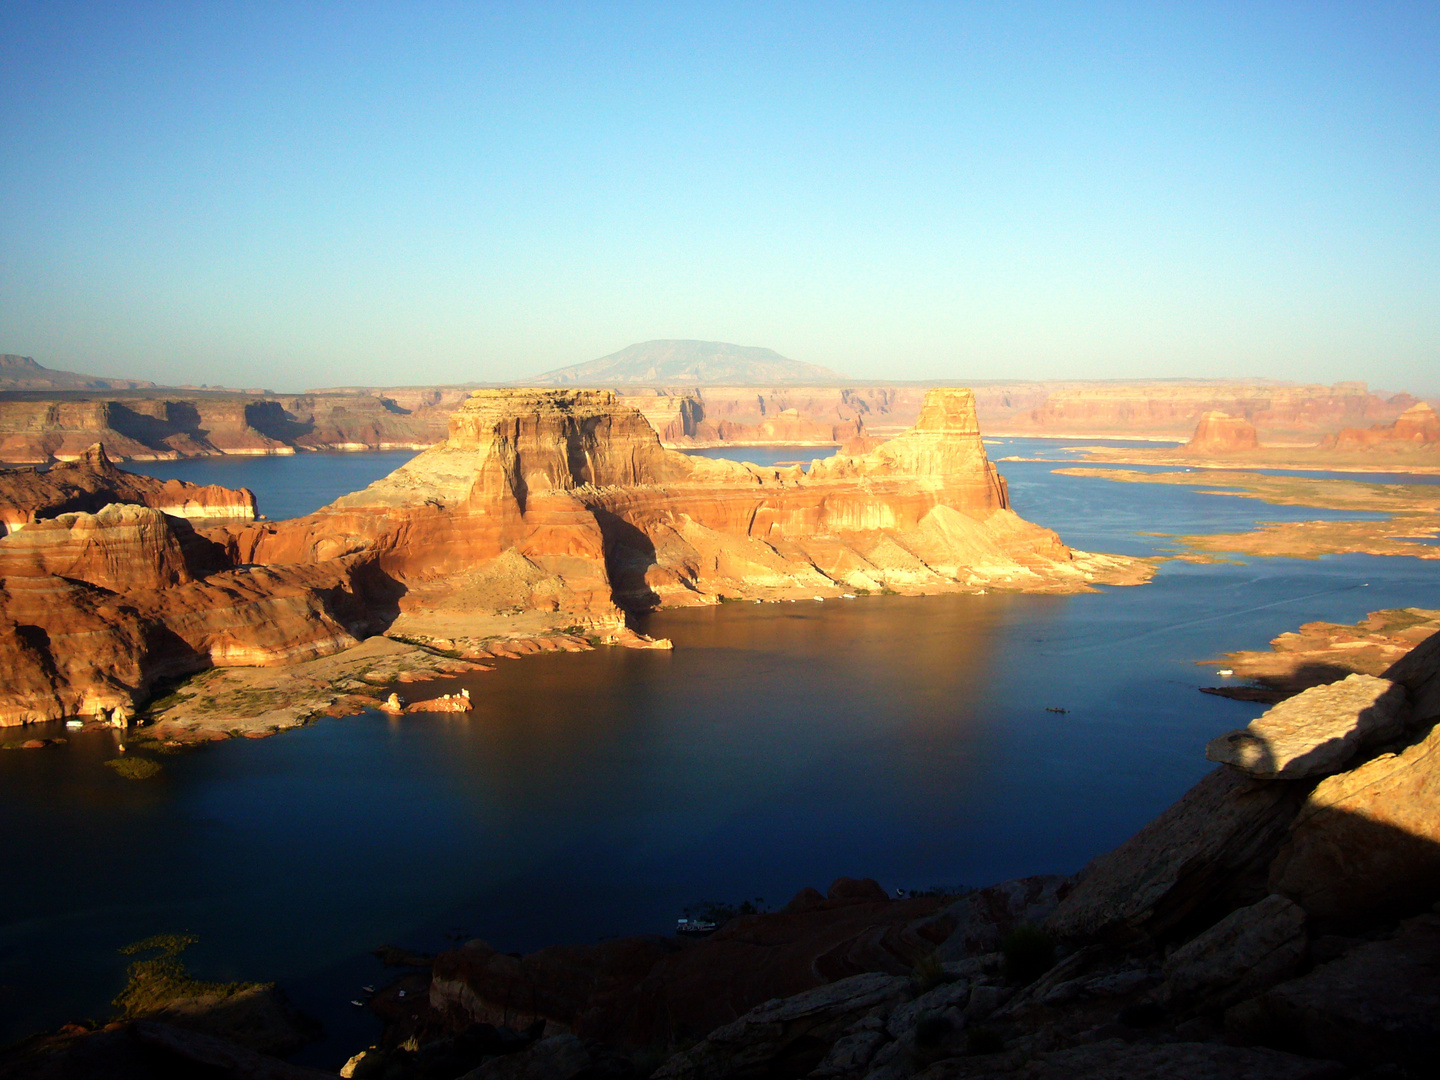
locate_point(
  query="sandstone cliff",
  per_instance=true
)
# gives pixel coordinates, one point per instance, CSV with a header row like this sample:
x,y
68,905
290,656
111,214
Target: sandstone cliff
x,y
167,424
106,588
574,490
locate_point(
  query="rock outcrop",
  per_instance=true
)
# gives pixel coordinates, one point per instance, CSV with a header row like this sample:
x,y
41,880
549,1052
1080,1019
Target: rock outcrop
x,y
1419,425
1221,433
1320,653
1317,732
106,588
558,502
634,991
579,488
92,482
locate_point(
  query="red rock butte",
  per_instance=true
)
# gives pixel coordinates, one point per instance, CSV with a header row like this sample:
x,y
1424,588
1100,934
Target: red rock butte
x,y
1220,433
559,505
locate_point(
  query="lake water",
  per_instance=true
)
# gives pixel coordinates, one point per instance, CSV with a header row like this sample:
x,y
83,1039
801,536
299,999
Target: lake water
x,y
285,486
598,794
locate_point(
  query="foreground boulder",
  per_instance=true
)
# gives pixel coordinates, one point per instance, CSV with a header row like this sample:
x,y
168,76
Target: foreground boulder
x,y
1366,844
789,1036
1317,732
1249,950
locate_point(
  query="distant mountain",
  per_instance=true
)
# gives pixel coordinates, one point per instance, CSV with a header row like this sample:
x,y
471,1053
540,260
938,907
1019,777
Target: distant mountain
x,y
689,363
23,373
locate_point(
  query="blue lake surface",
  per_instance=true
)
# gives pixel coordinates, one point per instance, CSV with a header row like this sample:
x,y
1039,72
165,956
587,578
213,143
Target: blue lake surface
x,y
597,794
285,486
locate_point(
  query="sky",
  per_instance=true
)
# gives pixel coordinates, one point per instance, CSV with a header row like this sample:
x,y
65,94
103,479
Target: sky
x,y
298,194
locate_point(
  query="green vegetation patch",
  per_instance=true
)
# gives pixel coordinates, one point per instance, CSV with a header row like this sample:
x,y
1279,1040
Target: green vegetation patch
x,y
156,980
134,767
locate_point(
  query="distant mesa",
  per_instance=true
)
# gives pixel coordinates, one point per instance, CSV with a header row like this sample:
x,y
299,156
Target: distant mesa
x,y
1220,433
689,363
1418,424
23,373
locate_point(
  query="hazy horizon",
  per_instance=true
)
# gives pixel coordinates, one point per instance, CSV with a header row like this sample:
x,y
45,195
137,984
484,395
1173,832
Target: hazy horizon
x,y
324,195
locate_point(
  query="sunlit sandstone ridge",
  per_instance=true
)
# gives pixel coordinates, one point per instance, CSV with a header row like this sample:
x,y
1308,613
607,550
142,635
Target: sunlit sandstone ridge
x,y
541,510
567,500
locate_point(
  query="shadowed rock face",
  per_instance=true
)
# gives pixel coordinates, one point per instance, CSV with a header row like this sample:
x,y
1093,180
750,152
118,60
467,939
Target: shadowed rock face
x,y
634,990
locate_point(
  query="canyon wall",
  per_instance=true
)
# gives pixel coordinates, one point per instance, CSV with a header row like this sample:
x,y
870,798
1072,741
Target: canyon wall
x,y
150,424
1171,409
169,424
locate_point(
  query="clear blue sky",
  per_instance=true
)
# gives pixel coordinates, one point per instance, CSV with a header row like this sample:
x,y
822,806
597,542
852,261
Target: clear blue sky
x,y
311,193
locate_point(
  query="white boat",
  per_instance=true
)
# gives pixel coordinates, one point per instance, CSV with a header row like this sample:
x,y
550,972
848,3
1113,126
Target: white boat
x,y
73,724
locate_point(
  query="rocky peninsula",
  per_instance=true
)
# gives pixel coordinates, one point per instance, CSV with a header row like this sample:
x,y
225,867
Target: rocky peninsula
x,y
543,513
1413,509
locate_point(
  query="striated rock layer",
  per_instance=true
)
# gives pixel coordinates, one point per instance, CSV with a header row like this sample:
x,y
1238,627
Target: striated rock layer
x,y
535,486
562,502
92,481
164,424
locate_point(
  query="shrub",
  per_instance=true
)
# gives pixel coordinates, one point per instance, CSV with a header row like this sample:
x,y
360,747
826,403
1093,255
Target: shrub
x,y
1029,953
134,768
